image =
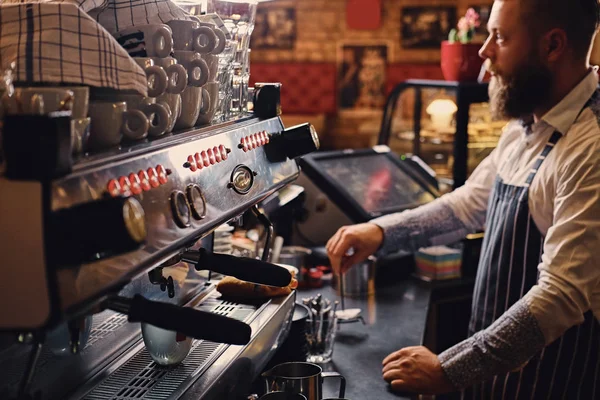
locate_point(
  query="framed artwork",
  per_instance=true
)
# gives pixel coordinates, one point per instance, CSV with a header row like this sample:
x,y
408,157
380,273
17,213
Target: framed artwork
x,y
275,28
484,11
425,27
362,75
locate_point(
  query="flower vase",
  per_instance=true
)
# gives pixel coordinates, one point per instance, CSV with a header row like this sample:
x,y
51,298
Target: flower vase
x,y
460,61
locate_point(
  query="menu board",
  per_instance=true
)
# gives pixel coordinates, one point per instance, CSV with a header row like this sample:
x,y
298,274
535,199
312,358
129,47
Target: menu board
x,y
375,182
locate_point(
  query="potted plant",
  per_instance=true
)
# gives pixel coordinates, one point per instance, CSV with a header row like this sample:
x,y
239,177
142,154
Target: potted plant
x,y
460,59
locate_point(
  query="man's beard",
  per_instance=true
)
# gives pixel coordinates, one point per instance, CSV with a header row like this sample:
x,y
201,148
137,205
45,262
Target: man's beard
x,y
518,95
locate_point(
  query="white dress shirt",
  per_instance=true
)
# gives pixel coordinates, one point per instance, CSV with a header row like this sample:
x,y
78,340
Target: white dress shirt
x,y
564,201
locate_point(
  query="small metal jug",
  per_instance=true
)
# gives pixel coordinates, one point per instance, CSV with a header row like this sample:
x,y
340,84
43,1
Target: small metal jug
x,y
300,377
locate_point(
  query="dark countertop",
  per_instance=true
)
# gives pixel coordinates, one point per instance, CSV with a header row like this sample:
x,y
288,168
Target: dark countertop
x,y
395,318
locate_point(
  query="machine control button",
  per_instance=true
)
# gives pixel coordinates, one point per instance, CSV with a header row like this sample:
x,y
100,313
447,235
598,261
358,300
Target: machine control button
x,y
224,152
125,185
217,154
242,179
153,178
205,159
180,209
114,188
211,156
197,201
162,174
144,180
136,185
191,164
199,162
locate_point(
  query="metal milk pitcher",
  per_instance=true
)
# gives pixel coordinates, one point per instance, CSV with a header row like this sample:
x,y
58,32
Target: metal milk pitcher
x,y
300,377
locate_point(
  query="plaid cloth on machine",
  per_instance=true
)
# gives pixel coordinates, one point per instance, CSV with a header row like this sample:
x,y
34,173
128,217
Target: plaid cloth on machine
x,y
60,43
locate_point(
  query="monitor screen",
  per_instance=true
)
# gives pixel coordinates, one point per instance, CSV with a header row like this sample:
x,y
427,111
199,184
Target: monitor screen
x,y
375,182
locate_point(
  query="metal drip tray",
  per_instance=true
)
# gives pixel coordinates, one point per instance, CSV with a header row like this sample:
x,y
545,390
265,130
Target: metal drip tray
x,y
141,378
208,367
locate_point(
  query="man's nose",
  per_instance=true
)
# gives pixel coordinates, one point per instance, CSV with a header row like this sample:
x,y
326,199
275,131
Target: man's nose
x,y
486,51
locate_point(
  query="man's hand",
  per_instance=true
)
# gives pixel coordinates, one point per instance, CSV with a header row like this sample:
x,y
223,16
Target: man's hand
x,y
364,239
417,370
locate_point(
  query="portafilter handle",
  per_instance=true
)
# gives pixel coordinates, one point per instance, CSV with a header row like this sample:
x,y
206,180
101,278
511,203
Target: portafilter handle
x,y
186,320
246,269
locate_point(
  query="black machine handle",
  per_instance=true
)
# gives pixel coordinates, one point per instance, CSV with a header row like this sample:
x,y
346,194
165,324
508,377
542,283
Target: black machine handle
x,y
247,269
189,321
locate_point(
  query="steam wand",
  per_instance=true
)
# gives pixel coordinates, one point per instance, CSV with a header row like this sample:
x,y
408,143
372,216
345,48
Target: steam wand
x,y
269,228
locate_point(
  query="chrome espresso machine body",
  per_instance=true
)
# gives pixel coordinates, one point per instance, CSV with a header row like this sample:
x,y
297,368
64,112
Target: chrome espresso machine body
x,y
93,248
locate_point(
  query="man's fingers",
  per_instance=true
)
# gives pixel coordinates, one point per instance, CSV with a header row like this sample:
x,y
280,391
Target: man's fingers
x,y
393,356
400,385
392,365
394,374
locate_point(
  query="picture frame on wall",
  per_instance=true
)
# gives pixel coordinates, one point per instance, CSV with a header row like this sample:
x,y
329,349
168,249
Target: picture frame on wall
x,y
275,28
362,74
425,27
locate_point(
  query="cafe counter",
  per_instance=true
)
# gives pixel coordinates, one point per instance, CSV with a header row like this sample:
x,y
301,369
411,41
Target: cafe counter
x,y
395,317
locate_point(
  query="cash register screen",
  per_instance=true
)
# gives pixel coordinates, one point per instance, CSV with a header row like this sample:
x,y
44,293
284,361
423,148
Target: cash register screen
x,y
375,182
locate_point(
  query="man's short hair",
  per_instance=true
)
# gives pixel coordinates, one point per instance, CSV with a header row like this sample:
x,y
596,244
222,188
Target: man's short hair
x,y
578,18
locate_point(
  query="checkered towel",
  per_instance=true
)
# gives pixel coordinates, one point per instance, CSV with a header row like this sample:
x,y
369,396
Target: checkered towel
x,y
57,42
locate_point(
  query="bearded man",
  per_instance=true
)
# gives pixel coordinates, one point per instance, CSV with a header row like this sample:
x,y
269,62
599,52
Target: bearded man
x,y
534,331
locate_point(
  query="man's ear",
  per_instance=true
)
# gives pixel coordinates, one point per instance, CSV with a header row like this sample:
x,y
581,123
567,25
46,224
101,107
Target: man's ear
x,y
555,44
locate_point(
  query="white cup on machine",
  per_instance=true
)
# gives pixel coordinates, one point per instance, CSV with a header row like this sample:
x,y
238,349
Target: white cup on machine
x,y
196,67
176,74
157,78
108,118
192,36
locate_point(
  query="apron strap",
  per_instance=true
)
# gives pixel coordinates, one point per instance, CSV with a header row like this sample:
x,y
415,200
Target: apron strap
x,y
549,146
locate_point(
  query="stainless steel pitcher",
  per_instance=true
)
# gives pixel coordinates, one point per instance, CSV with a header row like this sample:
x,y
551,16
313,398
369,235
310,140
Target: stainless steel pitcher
x,y
300,377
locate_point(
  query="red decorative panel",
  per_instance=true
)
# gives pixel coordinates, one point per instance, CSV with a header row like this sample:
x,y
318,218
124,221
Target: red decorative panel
x,y
310,88
397,73
363,14
307,88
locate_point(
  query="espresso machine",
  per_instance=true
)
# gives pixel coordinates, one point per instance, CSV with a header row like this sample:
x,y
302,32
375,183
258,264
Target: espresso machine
x,y
94,249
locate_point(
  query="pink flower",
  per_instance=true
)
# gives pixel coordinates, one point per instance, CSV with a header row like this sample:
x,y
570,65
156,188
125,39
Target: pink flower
x,y
463,24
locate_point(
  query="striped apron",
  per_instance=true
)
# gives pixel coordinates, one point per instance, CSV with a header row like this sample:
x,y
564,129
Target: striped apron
x,y
568,368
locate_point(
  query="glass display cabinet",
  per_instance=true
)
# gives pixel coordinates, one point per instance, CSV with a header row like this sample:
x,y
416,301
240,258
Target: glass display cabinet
x,y
447,124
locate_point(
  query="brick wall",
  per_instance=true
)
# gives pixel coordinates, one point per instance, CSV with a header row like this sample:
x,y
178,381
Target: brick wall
x,y
321,30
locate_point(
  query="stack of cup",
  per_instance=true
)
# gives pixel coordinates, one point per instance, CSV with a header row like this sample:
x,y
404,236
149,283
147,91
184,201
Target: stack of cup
x,y
151,47
197,45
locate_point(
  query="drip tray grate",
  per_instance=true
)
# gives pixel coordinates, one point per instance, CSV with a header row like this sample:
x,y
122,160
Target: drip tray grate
x,y
141,378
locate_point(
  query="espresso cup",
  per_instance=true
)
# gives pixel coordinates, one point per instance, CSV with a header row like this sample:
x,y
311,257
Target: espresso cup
x,y
155,74
220,35
39,100
158,116
81,100
107,120
153,40
192,36
191,102
174,103
196,67
176,74
209,101
212,62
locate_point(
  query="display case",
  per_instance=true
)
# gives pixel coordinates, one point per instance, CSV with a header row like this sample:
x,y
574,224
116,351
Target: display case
x,y
447,124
